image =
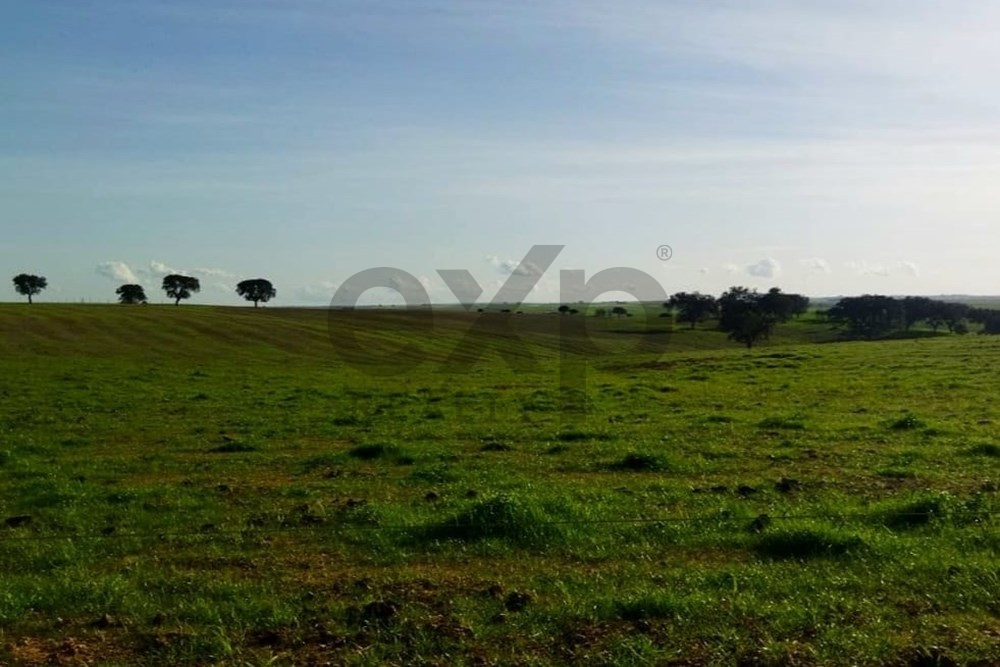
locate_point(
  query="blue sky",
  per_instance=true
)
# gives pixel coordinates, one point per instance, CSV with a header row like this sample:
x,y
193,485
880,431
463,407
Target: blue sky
x,y
826,147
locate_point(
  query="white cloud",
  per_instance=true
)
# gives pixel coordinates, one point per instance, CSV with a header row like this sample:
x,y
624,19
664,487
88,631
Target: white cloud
x,y
903,268
731,269
212,273
514,267
868,269
765,268
123,273
160,269
157,270
117,271
816,265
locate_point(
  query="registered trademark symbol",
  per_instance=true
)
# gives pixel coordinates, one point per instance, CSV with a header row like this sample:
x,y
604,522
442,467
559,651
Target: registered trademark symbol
x,y
664,252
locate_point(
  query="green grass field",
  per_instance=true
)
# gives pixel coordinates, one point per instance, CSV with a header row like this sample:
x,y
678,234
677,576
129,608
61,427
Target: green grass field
x,y
201,485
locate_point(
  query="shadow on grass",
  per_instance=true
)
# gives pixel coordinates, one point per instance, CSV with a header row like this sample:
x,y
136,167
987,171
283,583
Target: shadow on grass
x,y
805,543
988,450
380,452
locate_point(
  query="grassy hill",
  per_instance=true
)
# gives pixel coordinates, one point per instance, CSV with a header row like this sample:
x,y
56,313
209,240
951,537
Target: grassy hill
x,y
210,330
199,485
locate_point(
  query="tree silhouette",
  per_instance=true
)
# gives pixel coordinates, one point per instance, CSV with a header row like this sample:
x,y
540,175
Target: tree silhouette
x,y
869,315
256,289
917,308
29,285
619,311
745,316
130,294
952,314
180,287
692,307
783,306
990,319
563,309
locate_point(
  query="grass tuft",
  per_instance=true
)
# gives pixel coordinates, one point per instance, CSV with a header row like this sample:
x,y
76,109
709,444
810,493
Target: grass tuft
x,y
503,517
377,452
639,462
896,473
719,419
990,450
783,423
233,448
580,436
348,420
907,423
645,607
928,509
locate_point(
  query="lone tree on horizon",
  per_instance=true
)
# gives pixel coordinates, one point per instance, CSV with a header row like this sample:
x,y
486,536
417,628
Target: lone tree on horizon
x,y
130,294
256,289
29,285
180,287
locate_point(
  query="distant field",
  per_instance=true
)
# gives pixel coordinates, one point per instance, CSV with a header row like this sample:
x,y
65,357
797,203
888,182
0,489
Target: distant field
x,y
199,485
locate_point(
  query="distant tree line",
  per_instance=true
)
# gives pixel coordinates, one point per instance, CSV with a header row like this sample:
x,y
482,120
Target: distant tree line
x,y
749,317
874,315
617,311
177,287
746,315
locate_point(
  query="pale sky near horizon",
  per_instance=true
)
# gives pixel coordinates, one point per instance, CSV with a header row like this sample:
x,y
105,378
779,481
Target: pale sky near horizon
x,y
829,148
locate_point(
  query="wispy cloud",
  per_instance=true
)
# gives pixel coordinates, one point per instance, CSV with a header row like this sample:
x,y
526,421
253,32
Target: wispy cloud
x,y
158,269
815,265
154,271
212,273
514,267
887,41
117,271
320,292
765,268
881,270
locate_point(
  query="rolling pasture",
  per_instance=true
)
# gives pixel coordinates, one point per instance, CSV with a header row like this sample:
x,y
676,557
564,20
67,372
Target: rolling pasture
x,y
200,485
